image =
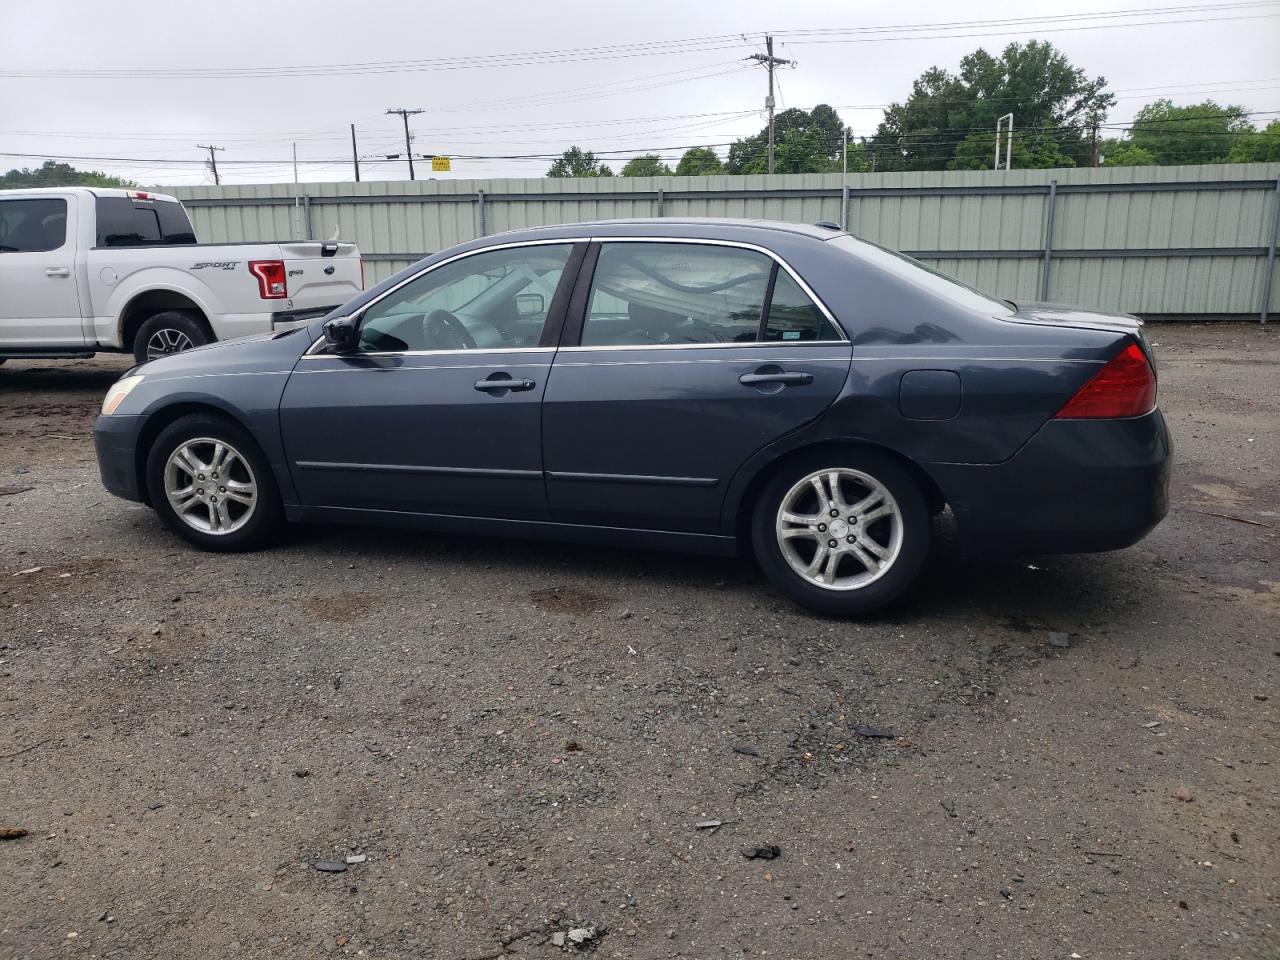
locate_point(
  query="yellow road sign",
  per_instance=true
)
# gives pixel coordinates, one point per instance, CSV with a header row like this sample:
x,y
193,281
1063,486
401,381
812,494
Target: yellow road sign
x,y
439,164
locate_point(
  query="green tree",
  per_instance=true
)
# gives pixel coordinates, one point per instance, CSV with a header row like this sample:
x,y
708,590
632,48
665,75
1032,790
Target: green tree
x,y
1199,133
805,141
1257,146
576,162
859,157
977,151
1052,101
1122,153
650,165
50,174
699,162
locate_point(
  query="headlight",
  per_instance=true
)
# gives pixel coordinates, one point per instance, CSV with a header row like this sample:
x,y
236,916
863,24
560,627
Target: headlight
x,y
119,390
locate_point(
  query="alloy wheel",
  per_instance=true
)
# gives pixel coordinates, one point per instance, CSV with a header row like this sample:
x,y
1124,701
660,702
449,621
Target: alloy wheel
x,y
167,340
839,528
210,486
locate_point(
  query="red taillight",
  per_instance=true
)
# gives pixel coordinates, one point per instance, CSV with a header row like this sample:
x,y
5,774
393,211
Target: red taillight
x,y
271,282
1125,387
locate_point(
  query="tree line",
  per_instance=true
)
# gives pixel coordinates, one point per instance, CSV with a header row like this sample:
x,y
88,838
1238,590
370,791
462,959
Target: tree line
x,y
948,122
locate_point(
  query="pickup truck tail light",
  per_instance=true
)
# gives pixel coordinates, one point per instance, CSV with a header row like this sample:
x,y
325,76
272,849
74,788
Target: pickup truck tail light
x,y
271,279
1125,387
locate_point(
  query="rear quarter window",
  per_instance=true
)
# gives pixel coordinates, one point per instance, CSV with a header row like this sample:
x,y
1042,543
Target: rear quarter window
x,y
125,222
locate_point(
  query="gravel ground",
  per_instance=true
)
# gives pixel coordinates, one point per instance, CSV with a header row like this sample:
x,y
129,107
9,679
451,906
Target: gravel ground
x,y
521,739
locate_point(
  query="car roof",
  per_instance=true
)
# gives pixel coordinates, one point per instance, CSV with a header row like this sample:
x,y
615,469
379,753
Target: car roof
x,y
90,191
676,227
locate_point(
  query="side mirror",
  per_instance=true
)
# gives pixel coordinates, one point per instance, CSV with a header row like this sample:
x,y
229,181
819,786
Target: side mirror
x,y
530,305
342,334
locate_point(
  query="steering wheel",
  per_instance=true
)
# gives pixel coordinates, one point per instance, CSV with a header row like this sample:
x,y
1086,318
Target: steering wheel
x,y
444,331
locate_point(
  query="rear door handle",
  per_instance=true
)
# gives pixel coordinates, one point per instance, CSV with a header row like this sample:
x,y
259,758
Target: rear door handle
x,y
783,377
504,382
57,271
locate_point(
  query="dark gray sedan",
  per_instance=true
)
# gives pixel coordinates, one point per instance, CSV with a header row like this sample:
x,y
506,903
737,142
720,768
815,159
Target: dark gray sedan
x,y
721,386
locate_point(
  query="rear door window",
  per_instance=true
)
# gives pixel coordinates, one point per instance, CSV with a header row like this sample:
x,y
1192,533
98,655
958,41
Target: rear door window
x,y
675,294
126,222
32,225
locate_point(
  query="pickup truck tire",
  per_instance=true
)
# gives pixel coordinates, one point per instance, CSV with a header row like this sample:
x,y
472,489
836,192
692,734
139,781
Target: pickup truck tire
x,y
211,484
169,332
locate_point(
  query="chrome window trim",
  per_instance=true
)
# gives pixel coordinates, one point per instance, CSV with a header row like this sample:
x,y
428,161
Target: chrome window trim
x,y
315,349
749,345
743,245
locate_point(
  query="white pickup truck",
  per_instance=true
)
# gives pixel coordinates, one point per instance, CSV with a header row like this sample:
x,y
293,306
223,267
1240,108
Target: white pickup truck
x,y
84,270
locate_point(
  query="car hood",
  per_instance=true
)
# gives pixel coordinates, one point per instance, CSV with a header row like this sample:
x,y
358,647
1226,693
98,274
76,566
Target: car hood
x,y
230,355
1061,315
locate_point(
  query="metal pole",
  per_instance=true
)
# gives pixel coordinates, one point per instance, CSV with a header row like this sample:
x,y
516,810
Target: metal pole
x,y
297,227
306,214
1048,241
660,199
844,182
355,157
1271,256
484,227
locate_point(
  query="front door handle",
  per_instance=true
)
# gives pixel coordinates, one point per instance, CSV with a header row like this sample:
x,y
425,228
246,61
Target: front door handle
x,y
781,376
57,271
501,383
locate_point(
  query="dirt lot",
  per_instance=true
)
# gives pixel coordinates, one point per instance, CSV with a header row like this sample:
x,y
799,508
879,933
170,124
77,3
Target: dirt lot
x,y
522,739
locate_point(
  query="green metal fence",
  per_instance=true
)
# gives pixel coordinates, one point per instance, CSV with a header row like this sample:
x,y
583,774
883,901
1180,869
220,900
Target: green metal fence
x,y
1198,240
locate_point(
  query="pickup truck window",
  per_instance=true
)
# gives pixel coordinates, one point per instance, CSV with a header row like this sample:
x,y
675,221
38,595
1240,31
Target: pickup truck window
x,y
32,226
124,222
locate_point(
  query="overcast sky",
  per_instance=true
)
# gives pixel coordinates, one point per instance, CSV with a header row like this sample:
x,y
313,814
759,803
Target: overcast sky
x,y
150,79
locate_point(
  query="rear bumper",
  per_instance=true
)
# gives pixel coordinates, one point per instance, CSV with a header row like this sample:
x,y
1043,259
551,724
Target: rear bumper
x,y
292,319
1077,486
116,441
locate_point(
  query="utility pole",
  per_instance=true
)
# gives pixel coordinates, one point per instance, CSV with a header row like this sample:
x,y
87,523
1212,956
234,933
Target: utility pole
x,y
408,146
213,160
355,157
1093,143
771,62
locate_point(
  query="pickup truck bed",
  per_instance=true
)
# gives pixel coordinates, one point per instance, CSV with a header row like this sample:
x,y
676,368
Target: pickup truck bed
x,y
84,270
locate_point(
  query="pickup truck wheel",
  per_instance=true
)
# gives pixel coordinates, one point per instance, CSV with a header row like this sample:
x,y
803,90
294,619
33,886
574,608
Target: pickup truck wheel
x,y
170,332
211,484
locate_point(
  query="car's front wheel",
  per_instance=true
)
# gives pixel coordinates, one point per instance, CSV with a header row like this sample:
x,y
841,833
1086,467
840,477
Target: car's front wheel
x,y
842,533
210,483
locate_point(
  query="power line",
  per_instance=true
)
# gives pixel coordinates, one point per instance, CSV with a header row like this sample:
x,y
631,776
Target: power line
x,y
652,48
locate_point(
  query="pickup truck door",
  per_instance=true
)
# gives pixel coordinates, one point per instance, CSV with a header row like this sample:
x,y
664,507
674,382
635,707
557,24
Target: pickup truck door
x,y
39,297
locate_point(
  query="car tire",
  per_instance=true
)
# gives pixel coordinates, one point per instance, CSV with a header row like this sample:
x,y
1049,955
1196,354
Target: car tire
x,y
880,544
210,483
169,332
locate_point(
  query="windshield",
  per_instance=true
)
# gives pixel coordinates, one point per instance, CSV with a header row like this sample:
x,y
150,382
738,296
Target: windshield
x,y
915,272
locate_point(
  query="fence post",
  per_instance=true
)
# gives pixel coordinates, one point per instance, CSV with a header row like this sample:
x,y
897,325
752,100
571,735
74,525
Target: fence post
x,y
660,201
484,229
306,214
1271,256
1048,241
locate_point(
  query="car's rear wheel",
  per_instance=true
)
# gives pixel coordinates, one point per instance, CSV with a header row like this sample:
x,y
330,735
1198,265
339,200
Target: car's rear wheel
x,y
841,533
169,332
211,484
